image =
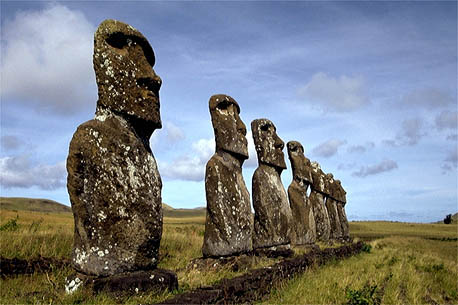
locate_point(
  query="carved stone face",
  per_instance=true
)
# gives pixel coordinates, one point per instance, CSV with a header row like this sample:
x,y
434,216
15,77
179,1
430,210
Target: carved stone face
x,y
269,146
342,194
230,131
123,63
328,184
299,163
318,177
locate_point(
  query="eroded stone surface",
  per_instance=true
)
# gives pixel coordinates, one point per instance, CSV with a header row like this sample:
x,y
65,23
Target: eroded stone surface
x,y
229,221
302,222
317,197
113,181
331,207
128,283
342,200
272,212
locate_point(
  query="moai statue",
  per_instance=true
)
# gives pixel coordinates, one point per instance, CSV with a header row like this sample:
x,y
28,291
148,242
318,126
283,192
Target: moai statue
x,y
323,226
272,212
113,181
331,207
303,222
229,223
341,202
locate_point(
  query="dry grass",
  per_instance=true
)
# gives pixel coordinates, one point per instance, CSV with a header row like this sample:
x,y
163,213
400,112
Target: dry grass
x,y
405,268
409,263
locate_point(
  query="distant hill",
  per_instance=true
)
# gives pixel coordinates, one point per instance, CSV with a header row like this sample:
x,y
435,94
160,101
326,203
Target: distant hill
x,y
50,206
182,213
32,204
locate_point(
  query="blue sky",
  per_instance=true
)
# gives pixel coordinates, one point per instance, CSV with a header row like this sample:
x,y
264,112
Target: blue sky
x,y
368,88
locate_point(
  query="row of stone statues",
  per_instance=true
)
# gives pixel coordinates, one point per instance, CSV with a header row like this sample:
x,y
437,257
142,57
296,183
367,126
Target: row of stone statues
x,y
230,227
115,187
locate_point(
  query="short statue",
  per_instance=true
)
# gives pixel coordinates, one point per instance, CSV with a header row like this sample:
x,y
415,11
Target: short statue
x,y
229,221
317,196
113,181
272,212
303,222
341,202
331,207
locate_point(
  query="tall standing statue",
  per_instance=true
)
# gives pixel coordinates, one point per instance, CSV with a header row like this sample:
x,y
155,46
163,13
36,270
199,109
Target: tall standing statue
x,y
341,202
272,212
331,207
113,180
317,196
303,222
229,222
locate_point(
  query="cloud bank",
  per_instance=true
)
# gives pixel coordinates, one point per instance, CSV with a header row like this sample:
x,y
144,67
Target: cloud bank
x,y
46,60
19,172
328,148
341,94
384,166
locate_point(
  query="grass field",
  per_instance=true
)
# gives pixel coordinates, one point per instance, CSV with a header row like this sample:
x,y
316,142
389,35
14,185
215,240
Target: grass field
x,y
408,263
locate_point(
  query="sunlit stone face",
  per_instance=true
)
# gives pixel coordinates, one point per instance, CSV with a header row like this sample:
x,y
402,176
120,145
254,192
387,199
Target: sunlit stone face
x,y
230,131
299,163
123,64
268,144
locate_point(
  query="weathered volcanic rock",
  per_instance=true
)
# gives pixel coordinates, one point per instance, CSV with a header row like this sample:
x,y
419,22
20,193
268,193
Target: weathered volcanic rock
x,y
342,200
302,222
331,207
272,212
113,181
323,226
229,221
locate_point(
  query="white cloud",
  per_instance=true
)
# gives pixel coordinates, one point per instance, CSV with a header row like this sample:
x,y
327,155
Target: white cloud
x,y
428,98
328,148
361,148
384,166
412,130
174,133
47,60
447,120
252,155
190,167
335,94
19,172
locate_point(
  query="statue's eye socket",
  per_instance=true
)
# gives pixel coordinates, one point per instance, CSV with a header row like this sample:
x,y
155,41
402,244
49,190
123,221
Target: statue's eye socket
x,y
265,127
118,40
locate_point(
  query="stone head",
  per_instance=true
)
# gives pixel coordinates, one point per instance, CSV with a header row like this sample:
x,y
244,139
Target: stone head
x,y
328,184
123,63
230,131
342,194
268,144
299,163
318,177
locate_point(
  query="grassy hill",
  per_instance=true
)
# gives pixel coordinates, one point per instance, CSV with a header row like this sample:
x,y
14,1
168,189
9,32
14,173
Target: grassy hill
x,y
33,204
50,206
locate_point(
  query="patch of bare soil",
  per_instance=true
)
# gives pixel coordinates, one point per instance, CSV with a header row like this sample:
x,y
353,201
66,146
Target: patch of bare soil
x,y
256,284
16,266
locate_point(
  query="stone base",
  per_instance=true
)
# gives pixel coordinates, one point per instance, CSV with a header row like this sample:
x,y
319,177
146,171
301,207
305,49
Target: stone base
x,y
128,283
275,251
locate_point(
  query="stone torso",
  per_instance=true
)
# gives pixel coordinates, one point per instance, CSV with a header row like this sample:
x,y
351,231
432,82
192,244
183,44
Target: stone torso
x,y
302,222
229,221
272,212
115,190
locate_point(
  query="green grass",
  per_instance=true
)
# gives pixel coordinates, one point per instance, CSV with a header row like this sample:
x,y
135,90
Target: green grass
x,y
408,263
